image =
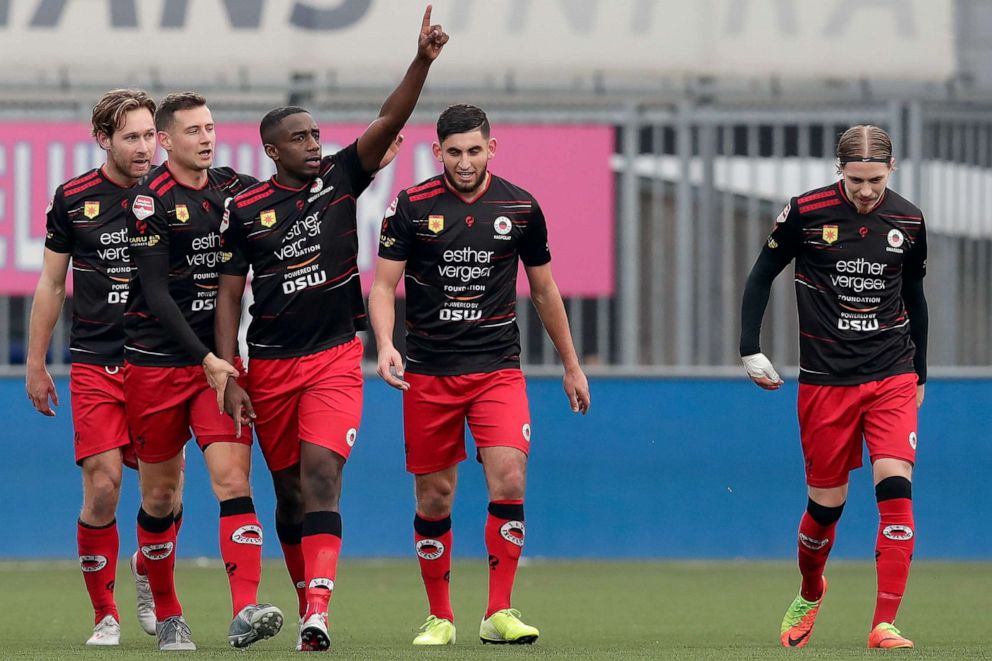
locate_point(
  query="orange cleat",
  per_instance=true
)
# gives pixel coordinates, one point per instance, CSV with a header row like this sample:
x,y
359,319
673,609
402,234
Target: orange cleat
x,y
886,637
797,625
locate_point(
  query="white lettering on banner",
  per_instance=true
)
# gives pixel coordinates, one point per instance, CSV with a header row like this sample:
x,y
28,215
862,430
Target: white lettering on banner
x,y
3,208
369,215
28,250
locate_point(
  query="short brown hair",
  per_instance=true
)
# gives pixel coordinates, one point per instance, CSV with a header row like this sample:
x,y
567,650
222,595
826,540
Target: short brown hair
x,y
864,143
109,111
173,103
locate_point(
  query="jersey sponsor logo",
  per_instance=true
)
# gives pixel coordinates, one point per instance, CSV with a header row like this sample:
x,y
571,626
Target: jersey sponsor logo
x,y
386,241
814,544
391,211
785,214
855,272
772,243
51,203
502,225
321,583
447,314
898,532
267,218
318,191
430,549
302,282
351,436
466,264
857,324
182,213
830,233
435,223
513,532
92,563
157,551
91,209
143,207
525,430
248,534
116,246
912,439
225,221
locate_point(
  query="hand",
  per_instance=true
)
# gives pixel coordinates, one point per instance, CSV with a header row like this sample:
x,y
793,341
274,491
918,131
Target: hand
x,y
920,388
760,369
218,371
432,38
40,388
237,404
391,153
577,388
390,368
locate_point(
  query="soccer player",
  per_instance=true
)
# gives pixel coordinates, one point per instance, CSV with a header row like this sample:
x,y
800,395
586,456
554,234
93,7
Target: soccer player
x,y
860,251
173,233
86,225
298,233
458,237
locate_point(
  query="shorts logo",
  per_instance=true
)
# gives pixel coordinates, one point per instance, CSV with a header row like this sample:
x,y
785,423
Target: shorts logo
x,y
92,563
513,532
249,534
814,544
830,233
267,218
91,209
351,436
502,225
912,439
898,533
435,223
430,549
525,430
895,238
325,583
143,207
182,213
157,551
301,585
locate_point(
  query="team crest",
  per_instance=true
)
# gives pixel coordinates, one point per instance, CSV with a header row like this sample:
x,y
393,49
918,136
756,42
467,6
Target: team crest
x,y
182,213
830,233
268,218
91,209
435,223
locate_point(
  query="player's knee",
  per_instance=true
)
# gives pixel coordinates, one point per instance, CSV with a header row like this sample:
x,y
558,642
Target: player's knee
x,y
435,499
894,487
822,514
228,484
510,484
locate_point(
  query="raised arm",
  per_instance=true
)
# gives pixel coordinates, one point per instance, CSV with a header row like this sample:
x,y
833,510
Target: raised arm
x,y
396,110
49,296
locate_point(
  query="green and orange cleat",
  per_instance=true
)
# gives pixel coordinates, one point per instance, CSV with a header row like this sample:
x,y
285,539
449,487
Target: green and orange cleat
x,y
886,637
797,625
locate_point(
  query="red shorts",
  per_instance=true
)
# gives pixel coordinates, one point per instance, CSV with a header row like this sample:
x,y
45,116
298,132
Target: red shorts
x,y
166,404
833,420
315,398
435,410
98,415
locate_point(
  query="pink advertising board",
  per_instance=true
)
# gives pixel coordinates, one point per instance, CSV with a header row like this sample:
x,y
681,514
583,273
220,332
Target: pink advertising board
x,y
566,167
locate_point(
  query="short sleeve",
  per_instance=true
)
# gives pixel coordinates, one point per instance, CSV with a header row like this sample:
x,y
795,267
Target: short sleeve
x,y
786,238
534,250
397,235
233,257
916,260
58,227
347,159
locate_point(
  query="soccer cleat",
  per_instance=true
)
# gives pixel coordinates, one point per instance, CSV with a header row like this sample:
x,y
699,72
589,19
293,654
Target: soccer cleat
x,y
313,633
146,603
254,623
504,627
174,635
299,636
797,625
106,633
886,637
436,631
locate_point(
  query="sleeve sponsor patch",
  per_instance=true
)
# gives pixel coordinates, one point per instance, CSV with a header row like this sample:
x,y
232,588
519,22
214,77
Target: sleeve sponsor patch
x,y
143,206
784,215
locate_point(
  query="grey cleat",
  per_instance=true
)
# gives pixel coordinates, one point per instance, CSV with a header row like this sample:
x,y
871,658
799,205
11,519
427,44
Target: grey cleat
x,y
146,603
174,635
254,623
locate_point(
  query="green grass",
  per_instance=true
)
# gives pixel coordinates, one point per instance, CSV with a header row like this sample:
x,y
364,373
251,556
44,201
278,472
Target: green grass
x,y
585,610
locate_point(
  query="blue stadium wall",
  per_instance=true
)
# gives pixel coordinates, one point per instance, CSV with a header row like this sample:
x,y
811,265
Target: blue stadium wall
x,y
659,469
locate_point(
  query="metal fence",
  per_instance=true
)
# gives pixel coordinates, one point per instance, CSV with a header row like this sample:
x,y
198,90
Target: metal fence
x,y
697,189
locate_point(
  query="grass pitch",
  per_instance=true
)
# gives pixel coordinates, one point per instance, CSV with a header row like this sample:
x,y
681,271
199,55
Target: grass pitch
x,y
585,610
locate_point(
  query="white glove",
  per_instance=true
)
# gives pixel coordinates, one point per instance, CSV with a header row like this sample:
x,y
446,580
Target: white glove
x,y
758,365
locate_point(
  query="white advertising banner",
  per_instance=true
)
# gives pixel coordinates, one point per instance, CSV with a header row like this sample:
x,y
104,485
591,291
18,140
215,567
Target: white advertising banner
x,y
266,40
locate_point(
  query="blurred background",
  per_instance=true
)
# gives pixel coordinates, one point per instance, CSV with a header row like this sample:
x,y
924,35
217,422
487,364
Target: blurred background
x,y
662,138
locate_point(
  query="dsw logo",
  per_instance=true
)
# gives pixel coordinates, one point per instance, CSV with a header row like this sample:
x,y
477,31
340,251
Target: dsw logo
x,y
857,324
460,315
308,280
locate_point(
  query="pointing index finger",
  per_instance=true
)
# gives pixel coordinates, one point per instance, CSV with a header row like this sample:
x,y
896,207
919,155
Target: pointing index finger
x,y
426,25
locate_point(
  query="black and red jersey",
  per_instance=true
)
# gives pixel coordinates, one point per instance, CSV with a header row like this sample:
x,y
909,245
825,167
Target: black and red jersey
x,y
849,273
86,220
302,247
461,272
168,218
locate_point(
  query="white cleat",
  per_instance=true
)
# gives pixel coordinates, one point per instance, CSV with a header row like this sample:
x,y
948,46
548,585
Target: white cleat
x,y
106,633
146,603
313,634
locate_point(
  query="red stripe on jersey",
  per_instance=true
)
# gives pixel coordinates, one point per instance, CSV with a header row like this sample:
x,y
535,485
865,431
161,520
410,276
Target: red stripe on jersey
x,y
75,182
817,196
892,215
167,187
817,337
159,180
342,199
248,201
820,205
426,196
507,201
80,189
422,187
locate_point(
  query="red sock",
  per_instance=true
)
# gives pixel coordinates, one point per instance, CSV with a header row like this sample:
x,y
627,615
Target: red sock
x,y
139,564
290,536
321,542
893,554
98,549
241,550
815,542
432,538
504,542
157,543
